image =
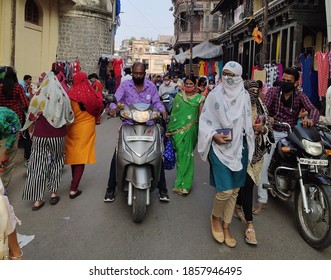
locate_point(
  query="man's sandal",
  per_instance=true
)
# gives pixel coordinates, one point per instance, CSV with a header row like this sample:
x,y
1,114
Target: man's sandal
x,y
259,208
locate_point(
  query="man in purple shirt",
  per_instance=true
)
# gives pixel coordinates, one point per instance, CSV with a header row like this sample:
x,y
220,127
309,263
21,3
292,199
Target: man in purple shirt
x,y
284,104
137,90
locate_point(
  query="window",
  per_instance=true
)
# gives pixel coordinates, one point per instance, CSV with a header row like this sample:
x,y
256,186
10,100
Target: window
x,y
215,23
31,12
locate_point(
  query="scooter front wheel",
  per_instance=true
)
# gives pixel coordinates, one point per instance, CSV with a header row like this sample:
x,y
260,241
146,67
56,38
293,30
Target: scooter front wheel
x,y
315,227
139,205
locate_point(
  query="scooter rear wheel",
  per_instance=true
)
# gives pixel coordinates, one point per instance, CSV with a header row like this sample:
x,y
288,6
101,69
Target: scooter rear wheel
x,y
138,205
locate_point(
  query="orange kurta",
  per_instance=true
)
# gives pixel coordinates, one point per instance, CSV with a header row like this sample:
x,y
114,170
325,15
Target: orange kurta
x,y
80,138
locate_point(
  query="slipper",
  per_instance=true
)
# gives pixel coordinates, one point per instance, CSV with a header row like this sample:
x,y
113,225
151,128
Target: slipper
x,y
78,192
239,214
36,208
251,240
54,200
259,209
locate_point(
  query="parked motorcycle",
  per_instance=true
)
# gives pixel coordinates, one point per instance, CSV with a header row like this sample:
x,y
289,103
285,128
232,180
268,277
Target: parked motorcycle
x,y
139,156
295,171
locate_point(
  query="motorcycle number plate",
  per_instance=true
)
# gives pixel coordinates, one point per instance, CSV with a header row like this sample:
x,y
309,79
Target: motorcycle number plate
x,y
311,161
140,138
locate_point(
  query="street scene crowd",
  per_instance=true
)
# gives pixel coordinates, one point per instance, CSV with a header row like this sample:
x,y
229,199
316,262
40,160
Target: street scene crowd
x,y
231,122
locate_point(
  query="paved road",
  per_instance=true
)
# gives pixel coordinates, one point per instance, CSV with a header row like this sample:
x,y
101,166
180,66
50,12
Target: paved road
x,y
87,228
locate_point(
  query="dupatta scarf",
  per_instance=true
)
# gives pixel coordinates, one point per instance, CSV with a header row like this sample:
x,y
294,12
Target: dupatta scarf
x,y
83,93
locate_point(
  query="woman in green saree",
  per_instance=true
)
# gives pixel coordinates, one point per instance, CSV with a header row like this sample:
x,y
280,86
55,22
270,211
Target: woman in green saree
x,y
183,130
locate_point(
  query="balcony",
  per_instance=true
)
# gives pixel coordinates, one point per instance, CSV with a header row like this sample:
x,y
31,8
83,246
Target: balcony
x,y
184,37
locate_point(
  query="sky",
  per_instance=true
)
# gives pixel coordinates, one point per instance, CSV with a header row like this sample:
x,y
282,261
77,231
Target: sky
x,y
144,18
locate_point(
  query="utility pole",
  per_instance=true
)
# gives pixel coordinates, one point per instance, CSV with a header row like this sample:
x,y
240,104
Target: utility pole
x,y
265,30
113,25
191,35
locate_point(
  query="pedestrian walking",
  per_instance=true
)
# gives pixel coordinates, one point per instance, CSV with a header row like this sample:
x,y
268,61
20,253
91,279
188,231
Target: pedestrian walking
x,y
183,130
9,128
49,113
263,140
81,135
226,139
12,96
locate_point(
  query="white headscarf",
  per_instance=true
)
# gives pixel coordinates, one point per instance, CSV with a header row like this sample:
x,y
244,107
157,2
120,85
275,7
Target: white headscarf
x,y
52,101
227,106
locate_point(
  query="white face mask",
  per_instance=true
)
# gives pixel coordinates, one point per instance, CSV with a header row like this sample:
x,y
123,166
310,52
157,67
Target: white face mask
x,y
167,83
211,86
229,80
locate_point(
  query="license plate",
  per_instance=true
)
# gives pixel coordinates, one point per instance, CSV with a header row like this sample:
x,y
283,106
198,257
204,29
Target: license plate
x,y
140,138
311,161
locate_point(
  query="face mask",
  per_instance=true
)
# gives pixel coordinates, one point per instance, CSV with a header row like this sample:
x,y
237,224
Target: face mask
x,y
167,83
287,86
211,87
229,80
189,89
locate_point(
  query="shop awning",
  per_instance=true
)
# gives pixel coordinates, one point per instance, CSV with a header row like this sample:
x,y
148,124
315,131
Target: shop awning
x,y
205,50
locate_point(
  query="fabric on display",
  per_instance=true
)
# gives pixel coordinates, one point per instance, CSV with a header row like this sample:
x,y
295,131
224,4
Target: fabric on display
x,y
323,72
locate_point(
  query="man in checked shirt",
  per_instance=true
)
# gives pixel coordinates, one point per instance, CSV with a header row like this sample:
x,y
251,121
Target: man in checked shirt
x,y
284,103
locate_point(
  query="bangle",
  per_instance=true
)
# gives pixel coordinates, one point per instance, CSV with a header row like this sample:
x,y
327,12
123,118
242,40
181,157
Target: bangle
x,y
18,257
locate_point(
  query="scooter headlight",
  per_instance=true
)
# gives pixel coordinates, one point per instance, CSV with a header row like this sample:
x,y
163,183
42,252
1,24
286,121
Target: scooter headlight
x,y
312,148
140,116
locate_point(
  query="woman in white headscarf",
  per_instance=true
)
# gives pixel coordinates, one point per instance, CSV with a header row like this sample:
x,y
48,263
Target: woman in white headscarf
x,y
227,108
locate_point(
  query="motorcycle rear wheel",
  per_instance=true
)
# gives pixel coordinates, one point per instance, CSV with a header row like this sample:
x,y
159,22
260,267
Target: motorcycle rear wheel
x,y
138,205
315,227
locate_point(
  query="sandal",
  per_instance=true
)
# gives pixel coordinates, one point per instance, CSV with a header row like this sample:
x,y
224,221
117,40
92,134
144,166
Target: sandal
x,y
259,208
250,236
239,214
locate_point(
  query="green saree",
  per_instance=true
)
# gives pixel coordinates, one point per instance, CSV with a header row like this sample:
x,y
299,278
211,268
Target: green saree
x,y
183,128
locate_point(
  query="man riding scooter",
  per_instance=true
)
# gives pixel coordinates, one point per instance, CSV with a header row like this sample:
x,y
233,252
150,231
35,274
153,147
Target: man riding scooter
x,y
137,90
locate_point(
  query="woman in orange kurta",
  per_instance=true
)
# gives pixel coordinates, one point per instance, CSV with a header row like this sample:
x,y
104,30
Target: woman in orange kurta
x,y
81,135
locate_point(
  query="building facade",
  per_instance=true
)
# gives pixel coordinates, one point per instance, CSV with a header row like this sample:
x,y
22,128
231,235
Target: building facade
x,y
294,27
205,25
36,33
154,54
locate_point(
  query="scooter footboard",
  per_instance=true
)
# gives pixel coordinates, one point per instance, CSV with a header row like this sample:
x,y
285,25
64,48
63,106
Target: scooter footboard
x,y
140,176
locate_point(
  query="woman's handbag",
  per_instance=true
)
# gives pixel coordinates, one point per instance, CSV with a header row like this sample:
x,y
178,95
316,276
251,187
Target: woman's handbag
x,y
169,157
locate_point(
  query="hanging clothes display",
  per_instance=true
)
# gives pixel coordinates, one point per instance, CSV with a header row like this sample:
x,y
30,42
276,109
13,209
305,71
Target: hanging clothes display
x,y
206,68
259,73
201,68
280,71
213,68
306,61
118,66
323,72
271,73
103,62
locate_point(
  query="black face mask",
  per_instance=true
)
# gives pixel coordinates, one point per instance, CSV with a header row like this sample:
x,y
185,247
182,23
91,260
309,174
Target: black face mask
x,y
138,81
287,87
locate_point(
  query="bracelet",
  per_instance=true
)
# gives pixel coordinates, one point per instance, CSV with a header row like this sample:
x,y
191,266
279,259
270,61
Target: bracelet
x,y
18,257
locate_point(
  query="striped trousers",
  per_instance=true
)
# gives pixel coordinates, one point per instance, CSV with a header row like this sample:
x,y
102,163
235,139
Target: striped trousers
x,y
45,167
